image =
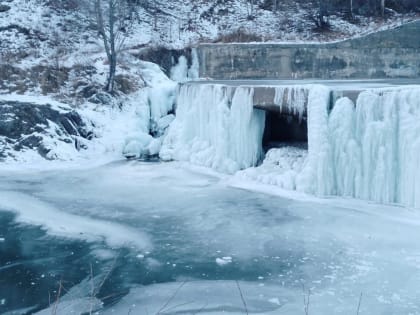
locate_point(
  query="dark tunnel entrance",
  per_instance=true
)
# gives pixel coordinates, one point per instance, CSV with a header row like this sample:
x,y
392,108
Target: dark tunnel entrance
x,y
284,130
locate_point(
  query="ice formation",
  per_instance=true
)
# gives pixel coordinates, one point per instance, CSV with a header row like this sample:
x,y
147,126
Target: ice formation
x,y
193,71
291,99
375,146
280,167
183,71
156,104
292,167
368,150
179,72
215,126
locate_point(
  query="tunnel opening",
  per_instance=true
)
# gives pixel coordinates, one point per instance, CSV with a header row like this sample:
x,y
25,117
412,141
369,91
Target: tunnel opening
x,y
284,130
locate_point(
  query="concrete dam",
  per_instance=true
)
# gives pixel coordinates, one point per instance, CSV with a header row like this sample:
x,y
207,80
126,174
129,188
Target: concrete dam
x,y
291,127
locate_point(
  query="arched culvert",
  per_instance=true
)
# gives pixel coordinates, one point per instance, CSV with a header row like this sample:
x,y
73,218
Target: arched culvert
x,y
284,130
286,115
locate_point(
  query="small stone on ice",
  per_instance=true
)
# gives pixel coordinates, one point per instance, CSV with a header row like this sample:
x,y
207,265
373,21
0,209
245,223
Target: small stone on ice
x,y
140,256
2,301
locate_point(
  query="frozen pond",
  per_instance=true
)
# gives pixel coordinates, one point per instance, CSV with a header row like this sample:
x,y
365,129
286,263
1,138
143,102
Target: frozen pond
x,y
151,238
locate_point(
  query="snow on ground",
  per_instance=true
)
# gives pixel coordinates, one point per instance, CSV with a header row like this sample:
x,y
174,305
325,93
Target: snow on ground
x,y
280,167
119,127
111,127
275,245
179,24
41,33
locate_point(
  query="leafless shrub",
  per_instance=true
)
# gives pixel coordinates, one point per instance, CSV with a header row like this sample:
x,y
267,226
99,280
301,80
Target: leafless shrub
x,y
238,36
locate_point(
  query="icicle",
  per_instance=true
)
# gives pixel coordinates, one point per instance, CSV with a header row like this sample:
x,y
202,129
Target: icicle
x,y
376,146
193,71
293,99
215,128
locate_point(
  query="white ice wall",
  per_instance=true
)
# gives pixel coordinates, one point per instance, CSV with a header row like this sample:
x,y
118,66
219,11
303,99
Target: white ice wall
x,y
376,146
215,126
368,150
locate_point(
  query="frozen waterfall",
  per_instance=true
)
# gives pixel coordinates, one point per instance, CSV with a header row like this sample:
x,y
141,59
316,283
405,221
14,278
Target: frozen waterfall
x,y
375,146
215,126
368,150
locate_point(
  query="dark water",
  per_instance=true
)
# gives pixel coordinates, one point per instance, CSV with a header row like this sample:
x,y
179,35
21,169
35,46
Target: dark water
x,y
32,265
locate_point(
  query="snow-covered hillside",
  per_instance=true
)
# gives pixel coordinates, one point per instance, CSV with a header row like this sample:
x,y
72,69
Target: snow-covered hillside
x,y
52,47
41,31
181,23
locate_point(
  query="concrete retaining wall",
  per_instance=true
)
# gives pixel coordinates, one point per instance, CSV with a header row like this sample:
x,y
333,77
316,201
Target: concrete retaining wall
x,y
387,54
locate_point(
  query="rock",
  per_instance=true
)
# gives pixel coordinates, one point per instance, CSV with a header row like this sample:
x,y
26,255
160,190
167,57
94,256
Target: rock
x,y
4,8
31,126
102,98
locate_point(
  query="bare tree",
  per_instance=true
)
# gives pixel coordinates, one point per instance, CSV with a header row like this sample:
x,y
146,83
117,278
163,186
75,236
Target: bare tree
x,y
321,15
275,5
382,8
114,20
250,8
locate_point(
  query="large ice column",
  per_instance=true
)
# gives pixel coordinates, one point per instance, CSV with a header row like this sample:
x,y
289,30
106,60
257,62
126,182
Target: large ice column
x,y
345,150
409,147
316,176
215,126
375,146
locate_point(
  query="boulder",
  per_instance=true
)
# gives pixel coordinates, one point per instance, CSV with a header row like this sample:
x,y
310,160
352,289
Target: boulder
x,y
43,128
4,8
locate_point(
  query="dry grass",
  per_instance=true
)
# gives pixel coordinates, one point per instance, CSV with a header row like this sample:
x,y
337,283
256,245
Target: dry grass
x,y
238,36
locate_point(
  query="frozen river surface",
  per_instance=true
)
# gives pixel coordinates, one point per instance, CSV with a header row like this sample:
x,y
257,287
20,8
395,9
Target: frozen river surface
x,y
151,238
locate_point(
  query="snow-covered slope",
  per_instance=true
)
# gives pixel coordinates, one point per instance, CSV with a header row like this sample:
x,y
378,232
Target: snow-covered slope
x,y
102,132
181,23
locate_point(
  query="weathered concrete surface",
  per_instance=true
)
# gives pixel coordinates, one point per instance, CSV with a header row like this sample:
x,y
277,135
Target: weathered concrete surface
x,y
387,54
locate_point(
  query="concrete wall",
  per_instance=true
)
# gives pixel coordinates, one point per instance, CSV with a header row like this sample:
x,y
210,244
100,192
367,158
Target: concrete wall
x,y
388,54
